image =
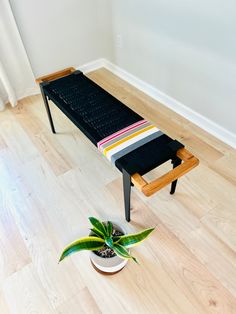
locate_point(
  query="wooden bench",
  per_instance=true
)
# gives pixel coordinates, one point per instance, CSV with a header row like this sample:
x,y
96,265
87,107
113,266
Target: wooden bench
x,y
98,114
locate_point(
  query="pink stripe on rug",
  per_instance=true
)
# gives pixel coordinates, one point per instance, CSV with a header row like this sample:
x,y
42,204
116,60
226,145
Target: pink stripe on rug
x,y
110,137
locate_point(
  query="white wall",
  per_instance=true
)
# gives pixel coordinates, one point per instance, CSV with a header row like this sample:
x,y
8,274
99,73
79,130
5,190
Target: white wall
x,y
61,33
185,48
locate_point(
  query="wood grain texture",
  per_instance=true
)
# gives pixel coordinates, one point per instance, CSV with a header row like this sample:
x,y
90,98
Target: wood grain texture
x,y
55,75
47,191
29,295
84,299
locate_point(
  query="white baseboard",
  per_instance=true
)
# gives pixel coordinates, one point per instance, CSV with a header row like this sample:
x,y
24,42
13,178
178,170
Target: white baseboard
x,y
193,116
20,95
92,66
88,67
85,68
28,92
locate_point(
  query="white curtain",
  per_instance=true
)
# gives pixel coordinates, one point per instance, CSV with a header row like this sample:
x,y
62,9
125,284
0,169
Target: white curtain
x,y
16,76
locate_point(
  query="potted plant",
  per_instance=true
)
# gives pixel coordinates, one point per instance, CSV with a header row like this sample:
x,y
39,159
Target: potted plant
x,y
109,246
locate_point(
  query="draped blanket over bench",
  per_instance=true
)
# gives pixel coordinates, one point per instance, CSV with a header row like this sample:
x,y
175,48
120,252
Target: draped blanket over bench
x,y
134,145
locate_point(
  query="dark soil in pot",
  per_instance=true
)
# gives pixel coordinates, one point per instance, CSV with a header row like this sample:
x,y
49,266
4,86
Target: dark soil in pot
x,y
107,252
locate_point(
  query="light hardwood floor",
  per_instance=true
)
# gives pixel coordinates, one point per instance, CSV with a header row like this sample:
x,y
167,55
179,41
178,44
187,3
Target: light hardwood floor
x,y
50,184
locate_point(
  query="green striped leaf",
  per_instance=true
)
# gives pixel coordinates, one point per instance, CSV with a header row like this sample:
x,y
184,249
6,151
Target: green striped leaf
x,y
122,252
109,228
131,240
87,243
109,242
98,233
98,225
116,238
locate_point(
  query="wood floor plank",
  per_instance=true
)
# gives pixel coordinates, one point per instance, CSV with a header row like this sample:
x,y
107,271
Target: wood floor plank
x,y
43,244
192,276
83,302
24,293
207,153
191,273
13,251
218,257
209,139
226,167
222,223
43,140
151,287
15,138
220,190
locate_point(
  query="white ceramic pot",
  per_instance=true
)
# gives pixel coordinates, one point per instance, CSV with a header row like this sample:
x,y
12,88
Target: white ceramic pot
x,y
110,265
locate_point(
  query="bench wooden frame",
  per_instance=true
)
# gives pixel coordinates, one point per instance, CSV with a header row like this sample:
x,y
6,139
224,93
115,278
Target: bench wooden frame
x,y
171,177
55,75
149,189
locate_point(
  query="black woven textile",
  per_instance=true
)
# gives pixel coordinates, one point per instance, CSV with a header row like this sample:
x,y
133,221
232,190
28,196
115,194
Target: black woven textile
x,y
98,114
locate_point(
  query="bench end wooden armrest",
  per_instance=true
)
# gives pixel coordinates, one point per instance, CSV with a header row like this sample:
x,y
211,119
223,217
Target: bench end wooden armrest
x,y
55,75
189,162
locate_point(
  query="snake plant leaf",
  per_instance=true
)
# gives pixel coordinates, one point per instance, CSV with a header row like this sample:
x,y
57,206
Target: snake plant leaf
x,y
109,242
87,243
98,225
122,252
98,233
109,228
131,240
116,238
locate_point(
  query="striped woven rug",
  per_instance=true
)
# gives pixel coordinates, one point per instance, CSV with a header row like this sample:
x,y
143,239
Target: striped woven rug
x,y
126,140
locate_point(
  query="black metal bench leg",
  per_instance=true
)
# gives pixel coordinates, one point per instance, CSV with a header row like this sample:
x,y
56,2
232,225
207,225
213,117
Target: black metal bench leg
x,y
127,193
176,162
48,110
